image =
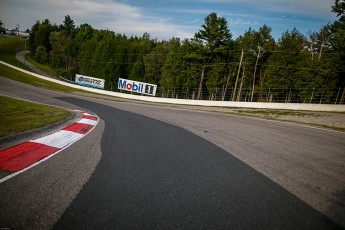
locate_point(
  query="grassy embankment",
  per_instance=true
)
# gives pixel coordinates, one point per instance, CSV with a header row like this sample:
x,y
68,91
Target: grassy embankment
x,y
18,116
9,46
47,69
15,75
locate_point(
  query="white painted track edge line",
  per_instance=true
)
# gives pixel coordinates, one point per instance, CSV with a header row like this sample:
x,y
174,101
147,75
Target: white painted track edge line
x,y
2,180
59,139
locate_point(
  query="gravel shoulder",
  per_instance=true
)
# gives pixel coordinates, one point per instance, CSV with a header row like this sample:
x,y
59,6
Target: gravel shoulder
x,y
327,120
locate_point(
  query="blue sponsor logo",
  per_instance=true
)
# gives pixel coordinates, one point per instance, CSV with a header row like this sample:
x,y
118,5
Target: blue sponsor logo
x,y
90,82
131,86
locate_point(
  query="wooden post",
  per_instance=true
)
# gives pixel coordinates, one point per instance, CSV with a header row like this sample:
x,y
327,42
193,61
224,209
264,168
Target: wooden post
x,y
238,74
201,81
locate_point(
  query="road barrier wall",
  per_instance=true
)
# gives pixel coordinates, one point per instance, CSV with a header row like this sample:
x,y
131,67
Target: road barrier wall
x,y
257,105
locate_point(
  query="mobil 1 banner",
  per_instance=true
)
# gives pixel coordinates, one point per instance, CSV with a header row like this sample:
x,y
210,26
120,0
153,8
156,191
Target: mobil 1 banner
x,y
89,81
137,87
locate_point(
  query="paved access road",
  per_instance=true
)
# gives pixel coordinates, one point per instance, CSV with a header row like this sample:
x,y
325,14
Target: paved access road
x,y
134,171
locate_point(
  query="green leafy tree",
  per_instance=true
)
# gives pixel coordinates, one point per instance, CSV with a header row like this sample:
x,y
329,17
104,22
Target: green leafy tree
x,y
58,41
41,55
190,83
120,58
68,25
319,42
284,62
257,46
103,56
32,35
40,38
339,8
215,74
154,62
172,69
263,44
210,41
246,43
138,48
86,57
338,42
318,72
84,33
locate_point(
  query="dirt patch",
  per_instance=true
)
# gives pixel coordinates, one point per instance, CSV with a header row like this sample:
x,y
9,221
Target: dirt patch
x,y
329,120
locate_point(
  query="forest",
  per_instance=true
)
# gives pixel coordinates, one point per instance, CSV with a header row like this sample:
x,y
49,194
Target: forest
x,y
254,67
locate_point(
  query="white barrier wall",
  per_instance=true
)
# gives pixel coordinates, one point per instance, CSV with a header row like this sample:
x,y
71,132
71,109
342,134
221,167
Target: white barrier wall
x,y
258,105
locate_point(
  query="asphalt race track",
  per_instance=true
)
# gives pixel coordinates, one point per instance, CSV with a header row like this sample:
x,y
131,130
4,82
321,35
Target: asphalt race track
x,y
147,167
153,174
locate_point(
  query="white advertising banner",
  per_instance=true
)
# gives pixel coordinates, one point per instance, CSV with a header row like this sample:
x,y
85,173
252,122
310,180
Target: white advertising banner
x,y
137,87
89,81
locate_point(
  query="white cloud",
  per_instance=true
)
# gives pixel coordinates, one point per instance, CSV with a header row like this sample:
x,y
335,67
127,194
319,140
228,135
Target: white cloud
x,y
105,14
182,20
239,22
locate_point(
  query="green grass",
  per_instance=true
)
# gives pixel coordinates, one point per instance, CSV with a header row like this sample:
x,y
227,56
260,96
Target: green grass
x,y
47,69
18,116
15,75
271,112
9,46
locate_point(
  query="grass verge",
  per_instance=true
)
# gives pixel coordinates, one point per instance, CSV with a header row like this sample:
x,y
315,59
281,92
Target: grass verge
x,y
277,115
18,116
45,68
15,75
9,46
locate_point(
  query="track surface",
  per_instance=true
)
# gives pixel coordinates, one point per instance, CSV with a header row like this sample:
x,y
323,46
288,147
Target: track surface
x,y
152,174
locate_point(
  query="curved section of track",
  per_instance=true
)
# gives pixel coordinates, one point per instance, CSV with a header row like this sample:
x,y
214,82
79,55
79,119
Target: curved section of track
x,y
154,174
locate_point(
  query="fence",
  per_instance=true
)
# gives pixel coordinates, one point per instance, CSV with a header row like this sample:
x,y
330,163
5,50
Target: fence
x,y
290,106
290,95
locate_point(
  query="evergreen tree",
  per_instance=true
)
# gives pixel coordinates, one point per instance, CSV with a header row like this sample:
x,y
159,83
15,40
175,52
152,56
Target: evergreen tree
x,y
338,42
172,69
283,64
68,25
208,64
210,41
58,41
154,62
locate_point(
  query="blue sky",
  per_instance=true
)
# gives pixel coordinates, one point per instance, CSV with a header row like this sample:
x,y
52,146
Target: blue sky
x,y
164,19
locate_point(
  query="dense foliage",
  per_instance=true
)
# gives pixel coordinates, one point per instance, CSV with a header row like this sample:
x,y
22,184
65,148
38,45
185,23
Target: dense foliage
x,y
211,65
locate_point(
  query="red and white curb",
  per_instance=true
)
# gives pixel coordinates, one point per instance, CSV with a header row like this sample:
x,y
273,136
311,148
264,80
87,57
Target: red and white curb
x,y
24,156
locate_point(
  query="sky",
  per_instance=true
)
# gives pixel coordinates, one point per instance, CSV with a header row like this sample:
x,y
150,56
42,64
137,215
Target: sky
x,y
164,19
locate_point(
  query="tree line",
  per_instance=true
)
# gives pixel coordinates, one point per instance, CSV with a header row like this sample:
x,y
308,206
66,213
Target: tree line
x,y
211,65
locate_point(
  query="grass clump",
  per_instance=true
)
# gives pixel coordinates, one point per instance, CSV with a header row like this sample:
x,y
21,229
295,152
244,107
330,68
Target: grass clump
x,y
270,112
17,116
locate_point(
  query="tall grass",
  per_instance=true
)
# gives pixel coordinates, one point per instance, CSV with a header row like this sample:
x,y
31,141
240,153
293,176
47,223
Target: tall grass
x,y
9,46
